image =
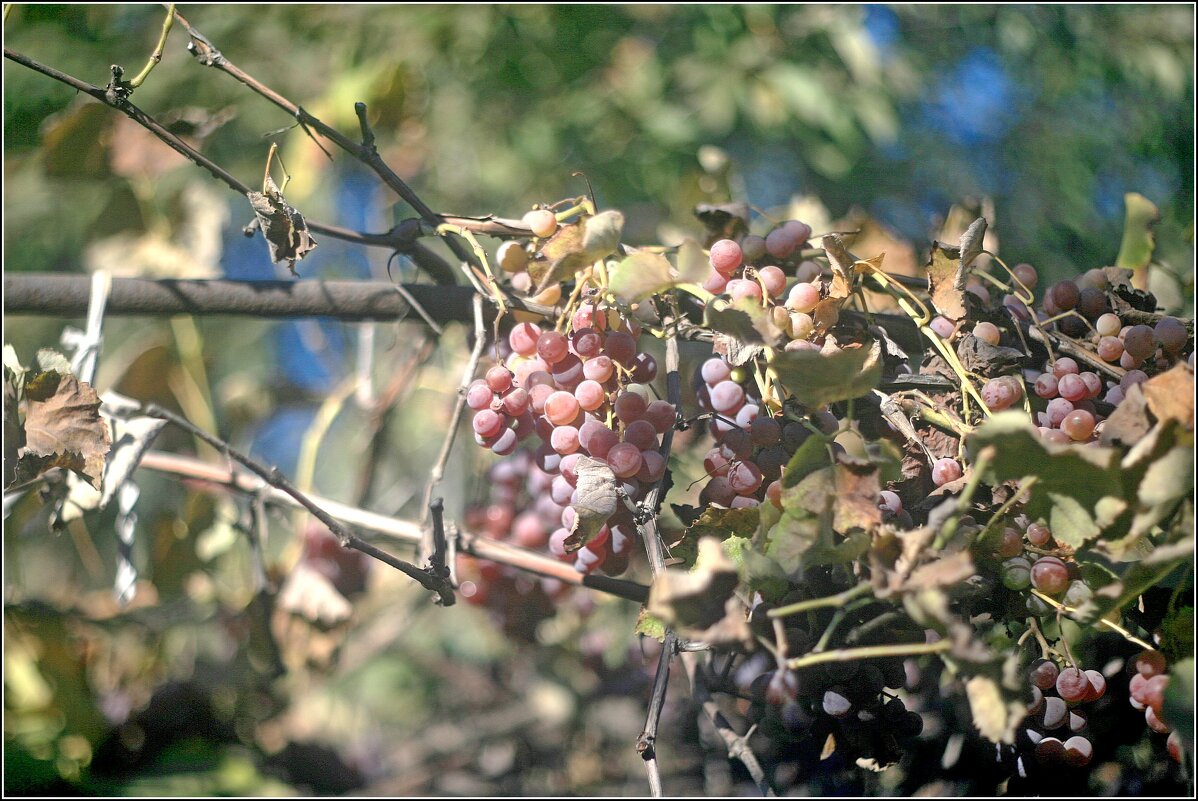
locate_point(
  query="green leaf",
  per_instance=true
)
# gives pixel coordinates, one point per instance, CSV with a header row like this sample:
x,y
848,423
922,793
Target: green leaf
x,y
745,321
762,574
847,550
1138,238
1177,634
811,456
816,380
790,538
1137,579
640,276
693,264
650,626
1178,709
1078,488
718,523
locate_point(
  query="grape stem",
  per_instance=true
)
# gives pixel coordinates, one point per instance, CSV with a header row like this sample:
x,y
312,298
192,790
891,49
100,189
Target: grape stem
x,y
1115,627
869,652
838,600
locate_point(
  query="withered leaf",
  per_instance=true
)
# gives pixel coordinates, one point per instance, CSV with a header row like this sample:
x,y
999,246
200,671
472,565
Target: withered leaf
x,y
575,247
284,227
971,242
979,356
696,599
597,500
1170,395
63,428
946,280
641,275
716,522
996,717
744,320
1129,423
841,262
724,221
308,594
857,492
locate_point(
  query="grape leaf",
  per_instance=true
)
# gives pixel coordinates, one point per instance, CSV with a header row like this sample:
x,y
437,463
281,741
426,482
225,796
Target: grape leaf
x,y
650,626
1135,251
285,229
695,599
744,320
576,246
816,380
971,242
946,280
1177,634
1078,488
1137,579
714,522
841,262
996,717
1178,709
597,501
1170,395
693,264
640,275
62,428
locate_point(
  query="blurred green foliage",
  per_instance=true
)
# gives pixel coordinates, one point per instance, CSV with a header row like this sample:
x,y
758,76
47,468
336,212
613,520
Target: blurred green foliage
x,y
1053,112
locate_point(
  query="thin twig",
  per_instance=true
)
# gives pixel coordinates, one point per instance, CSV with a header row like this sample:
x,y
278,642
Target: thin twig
x,y
366,152
275,478
399,240
156,56
738,746
480,342
646,744
405,531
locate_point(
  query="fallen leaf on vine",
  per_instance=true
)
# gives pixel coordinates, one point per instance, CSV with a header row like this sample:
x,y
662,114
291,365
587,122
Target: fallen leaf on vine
x,y
575,247
841,262
597,501
63,428
971,242
695,599
285,229
1170,395
744,320
946,280
857,493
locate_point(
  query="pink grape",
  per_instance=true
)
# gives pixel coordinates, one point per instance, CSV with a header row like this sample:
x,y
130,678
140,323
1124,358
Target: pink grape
x,y
744,478
1072,684
802,297
642,434
716,284
662,415
987,332
807,272
1072,388
740,288
552,347
561,408
621,347
1110,349
1108,325
727,397
598,369
1057,409
726,257
568,373
1078,425
597,438
1055,436
1027,275
1139,342
479,395
653,467
1114,396
774,280
747,414
523,338
487,423
780,242
538,395
773,493
891,501
714,371
1129,362
1093,384
542,222
587,342
569,467
624,460
1047,385
718,491
564,439
1171,334
590,395
942,326
716,463
1064,366
557,542
630,406
744,502
765,431
505,443
499,378
944,471
1050,576
1039,535
516,402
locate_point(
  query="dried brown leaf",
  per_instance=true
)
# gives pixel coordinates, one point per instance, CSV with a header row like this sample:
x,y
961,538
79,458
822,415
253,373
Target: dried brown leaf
x,y
63,428
285,229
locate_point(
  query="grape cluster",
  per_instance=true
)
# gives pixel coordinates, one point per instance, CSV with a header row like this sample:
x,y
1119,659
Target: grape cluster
x,y
752,446
1055,726
1147,692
